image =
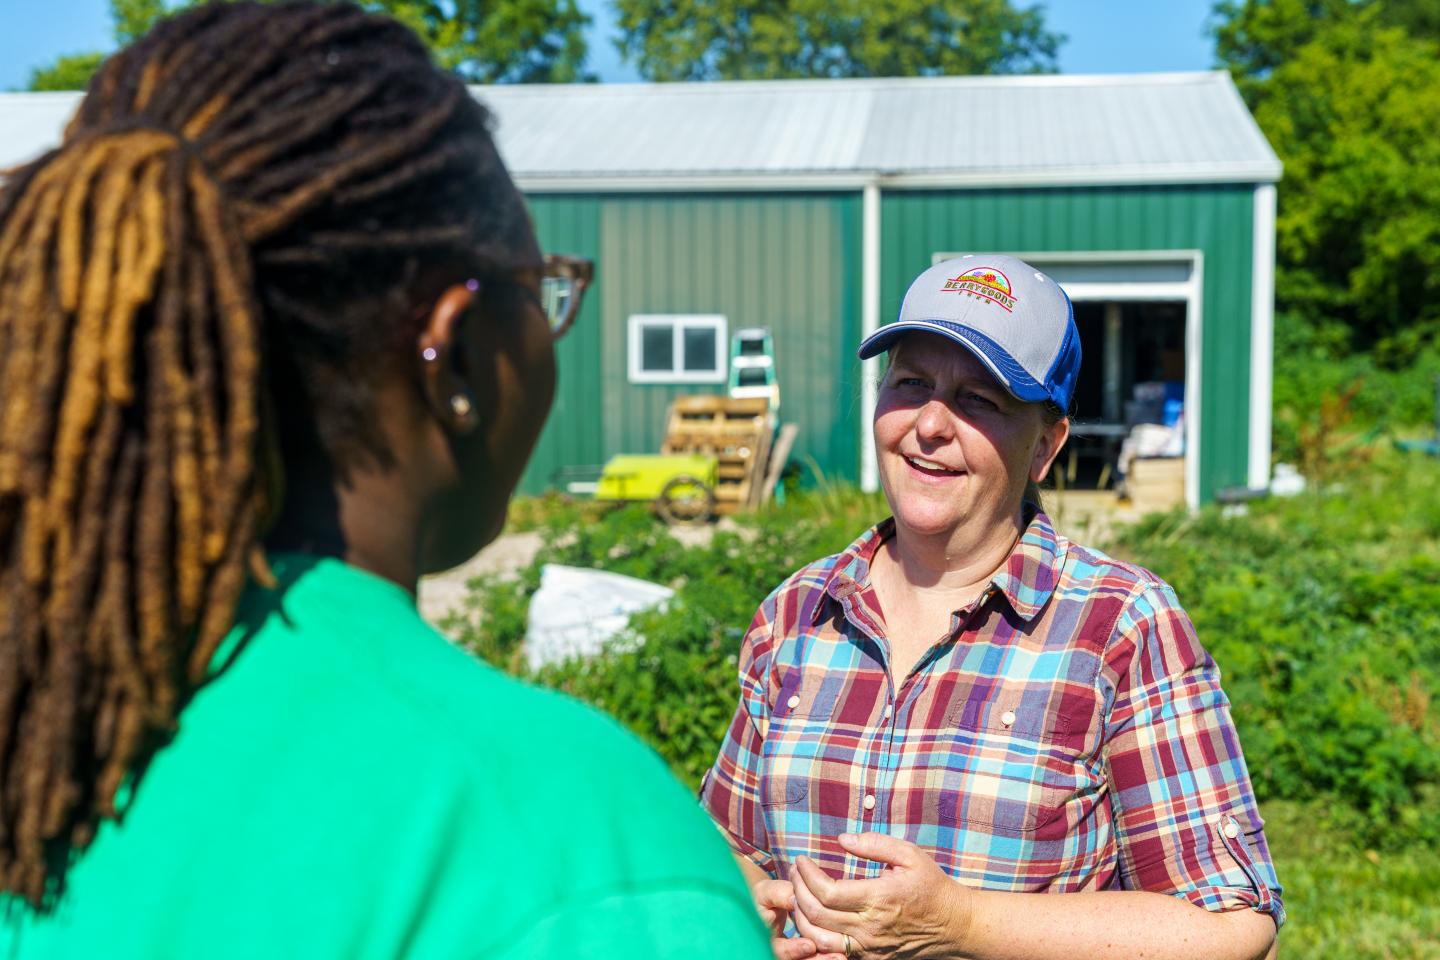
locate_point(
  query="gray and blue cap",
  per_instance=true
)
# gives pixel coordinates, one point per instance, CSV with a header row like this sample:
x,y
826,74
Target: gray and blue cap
x,y
1014,318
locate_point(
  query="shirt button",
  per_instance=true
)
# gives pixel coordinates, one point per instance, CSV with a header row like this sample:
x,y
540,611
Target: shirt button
x,y
889,710
869,801
793,702
1232,829
1008,718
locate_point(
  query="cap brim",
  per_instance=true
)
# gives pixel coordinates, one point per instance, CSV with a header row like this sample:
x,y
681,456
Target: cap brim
x,y
1011,375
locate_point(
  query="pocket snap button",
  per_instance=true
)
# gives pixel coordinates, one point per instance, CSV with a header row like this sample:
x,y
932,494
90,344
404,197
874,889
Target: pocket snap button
x,y
793,702
1008,718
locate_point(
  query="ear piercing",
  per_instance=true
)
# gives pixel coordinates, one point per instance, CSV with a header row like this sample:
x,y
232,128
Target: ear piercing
x,y
429,354
461,405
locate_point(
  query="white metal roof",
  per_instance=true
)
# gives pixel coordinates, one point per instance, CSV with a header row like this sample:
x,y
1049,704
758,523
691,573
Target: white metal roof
x,y
789,134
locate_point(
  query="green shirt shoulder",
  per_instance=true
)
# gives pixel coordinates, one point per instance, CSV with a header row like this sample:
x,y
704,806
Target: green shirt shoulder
x,y
350,784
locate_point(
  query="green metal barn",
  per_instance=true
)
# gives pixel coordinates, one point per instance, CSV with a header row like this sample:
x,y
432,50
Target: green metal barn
x,y
806,207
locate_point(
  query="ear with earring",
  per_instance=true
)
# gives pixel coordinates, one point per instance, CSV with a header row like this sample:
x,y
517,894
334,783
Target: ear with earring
x,y
466,417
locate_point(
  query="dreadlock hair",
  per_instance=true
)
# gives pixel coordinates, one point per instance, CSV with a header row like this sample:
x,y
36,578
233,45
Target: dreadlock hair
x,y
229,231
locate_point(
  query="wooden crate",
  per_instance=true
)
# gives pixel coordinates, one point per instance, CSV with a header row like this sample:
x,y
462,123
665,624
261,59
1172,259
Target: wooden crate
x,y
735,432
1156,483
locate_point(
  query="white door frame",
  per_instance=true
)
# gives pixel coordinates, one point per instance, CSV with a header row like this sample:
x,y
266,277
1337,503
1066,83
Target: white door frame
x,y
1189,291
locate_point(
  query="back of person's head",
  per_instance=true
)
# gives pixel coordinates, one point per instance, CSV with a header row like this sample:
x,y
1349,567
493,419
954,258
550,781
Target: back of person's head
x,y
205,270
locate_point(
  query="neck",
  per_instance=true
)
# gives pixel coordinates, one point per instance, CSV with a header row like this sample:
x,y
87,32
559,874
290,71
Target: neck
x,y
958,561
327,517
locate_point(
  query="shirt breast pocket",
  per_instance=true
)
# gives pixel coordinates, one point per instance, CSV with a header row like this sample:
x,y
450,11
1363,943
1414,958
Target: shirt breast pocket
x,y
1012,765
795,742
807,695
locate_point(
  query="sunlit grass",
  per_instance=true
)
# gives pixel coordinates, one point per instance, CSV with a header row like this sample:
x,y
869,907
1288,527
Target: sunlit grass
x,y
1346,903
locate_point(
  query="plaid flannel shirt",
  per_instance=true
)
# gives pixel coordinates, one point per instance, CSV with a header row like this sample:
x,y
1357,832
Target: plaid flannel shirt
x,y
1068,734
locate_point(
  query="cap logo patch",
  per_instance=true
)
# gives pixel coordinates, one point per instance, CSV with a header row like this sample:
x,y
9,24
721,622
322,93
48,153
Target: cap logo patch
x,y
984,283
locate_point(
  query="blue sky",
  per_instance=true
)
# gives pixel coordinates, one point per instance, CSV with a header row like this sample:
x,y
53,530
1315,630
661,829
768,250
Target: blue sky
x,y
1105,36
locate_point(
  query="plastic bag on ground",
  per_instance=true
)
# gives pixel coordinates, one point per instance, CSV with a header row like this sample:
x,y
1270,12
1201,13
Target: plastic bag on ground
x,y
576,610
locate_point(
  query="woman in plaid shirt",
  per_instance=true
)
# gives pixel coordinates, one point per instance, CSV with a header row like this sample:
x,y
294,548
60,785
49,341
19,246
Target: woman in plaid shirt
x,y
965,695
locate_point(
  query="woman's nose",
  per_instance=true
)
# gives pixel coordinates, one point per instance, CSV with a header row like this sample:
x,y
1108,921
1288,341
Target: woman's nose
x,y
935,422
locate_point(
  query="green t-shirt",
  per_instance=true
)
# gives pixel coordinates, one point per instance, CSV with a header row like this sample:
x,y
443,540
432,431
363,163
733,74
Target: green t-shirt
x,y
351,785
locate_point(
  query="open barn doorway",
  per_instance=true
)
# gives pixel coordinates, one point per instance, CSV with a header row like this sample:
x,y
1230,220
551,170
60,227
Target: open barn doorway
x,y
1130,400
1139,316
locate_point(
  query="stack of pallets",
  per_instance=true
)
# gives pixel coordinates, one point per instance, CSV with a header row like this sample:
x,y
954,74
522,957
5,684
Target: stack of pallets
x,y
736,432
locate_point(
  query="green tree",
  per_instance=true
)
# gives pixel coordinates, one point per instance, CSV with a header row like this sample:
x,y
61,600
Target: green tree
x,y
1253,37
1349,97
748,39
499,41
484,41
67,73
134,18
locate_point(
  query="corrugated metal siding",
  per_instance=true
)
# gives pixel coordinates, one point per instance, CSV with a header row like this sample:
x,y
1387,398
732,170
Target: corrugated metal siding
x,y
1177,127
1148,126
573,434
632,128
1149,122
782,261
1215,220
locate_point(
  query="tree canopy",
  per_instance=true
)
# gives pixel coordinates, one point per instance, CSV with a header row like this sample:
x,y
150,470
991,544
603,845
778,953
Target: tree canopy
x,y
484,41
1253,37
67,73
753,39
1348,93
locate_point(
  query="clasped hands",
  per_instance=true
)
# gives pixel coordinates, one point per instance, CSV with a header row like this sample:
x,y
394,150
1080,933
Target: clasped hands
x,y
913,909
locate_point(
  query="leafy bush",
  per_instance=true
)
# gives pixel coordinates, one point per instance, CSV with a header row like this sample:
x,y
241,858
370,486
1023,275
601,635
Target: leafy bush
x,y
1323,612
1329,400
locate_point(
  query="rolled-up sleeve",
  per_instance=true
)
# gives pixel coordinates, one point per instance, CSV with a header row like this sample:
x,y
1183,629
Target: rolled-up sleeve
x,y
1186,818
730,791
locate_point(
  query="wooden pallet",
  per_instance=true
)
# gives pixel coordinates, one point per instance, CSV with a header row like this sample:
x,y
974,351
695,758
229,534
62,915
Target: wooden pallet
x,y
735,432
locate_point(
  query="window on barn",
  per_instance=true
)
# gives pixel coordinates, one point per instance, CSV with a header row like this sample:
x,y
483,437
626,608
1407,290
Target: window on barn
x,y
677,348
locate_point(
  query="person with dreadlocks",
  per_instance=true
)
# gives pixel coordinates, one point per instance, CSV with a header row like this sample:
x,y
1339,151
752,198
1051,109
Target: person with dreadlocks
x,y
273,345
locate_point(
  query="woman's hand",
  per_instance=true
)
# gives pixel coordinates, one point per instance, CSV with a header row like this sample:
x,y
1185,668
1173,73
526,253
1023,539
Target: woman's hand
x,y
775,899
913,909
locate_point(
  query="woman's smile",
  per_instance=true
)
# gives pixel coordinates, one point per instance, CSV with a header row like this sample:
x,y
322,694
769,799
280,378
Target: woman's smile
x,y
929,471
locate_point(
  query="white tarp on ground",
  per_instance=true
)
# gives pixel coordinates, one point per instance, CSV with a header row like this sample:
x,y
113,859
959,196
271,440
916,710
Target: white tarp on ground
x,y
576,610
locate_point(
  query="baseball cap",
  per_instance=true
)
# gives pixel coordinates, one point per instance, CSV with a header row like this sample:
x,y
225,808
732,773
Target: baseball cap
x,y
1014,318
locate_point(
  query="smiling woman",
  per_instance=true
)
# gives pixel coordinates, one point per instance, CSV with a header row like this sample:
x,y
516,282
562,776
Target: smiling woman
x,y
964,694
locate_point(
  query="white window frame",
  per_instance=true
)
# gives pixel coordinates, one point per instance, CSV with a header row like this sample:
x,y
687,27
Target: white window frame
x,y
679,323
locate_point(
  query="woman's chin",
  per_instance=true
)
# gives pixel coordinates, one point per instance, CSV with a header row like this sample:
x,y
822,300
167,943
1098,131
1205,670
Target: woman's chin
x,y
926,523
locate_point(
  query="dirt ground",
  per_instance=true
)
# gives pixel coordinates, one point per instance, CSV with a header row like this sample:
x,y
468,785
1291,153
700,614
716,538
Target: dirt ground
x,y
444,592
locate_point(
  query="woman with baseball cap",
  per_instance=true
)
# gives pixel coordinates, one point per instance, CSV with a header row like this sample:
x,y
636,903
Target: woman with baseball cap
x,y
965,695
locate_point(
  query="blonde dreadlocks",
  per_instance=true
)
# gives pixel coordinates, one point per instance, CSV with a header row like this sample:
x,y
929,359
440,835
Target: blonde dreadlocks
x,y
239,205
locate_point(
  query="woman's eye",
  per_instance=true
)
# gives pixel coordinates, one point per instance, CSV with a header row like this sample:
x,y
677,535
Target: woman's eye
x,y
976,400
910,382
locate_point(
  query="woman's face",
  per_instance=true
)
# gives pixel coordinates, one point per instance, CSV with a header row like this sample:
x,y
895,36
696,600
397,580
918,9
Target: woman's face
x,y
953,446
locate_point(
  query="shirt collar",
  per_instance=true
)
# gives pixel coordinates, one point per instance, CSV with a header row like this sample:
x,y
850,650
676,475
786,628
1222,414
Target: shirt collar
x,y
1027,578
1032,572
